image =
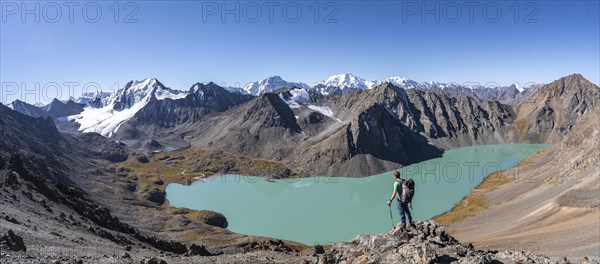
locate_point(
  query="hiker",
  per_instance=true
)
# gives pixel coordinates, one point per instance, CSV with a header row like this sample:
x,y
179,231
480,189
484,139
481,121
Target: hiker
x,y
403,195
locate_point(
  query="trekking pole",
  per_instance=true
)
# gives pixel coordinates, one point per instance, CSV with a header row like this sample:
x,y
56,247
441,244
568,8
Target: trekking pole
x,y
391,218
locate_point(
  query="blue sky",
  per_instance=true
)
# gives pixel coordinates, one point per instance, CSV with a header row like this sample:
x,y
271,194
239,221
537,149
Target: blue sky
x,y
183,42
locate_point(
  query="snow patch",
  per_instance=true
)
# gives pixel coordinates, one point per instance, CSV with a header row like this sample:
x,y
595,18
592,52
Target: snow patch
x,y
300,96
171,94
385,142
518,87
326,111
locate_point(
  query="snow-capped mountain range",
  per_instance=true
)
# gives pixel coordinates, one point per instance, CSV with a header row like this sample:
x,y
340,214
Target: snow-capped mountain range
x,y
104,113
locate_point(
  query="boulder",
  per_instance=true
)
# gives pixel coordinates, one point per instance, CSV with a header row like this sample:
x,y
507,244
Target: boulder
x,y
12,241
196,250
214,219
319,249
156,260
156,196
158,181
142,158
12,179
151,145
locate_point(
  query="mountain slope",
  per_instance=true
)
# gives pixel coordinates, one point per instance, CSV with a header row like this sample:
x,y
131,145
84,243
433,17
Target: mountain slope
x,y
447,121
549,202
67,202
549,113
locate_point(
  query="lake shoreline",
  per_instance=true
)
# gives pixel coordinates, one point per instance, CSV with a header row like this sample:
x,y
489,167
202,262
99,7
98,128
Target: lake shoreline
x,y
276,188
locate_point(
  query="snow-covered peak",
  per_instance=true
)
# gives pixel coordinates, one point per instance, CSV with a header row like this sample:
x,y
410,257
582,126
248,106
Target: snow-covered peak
x,y
518,87
142,91
270,84
134,92
346,80
122,106
402,82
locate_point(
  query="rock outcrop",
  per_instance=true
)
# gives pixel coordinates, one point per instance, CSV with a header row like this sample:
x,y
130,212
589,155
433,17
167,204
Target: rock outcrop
x,y
426,242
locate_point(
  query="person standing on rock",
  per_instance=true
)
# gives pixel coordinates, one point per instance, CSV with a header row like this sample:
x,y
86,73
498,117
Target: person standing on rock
x,y
402,203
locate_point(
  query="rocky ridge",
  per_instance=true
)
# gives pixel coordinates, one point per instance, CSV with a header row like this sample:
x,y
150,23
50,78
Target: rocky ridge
x,y
426,242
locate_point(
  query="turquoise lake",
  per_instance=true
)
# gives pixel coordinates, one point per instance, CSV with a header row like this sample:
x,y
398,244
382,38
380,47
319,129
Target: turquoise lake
x,y
323,210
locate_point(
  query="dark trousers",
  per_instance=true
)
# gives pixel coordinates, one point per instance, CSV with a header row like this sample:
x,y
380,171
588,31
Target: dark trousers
x,y
403,209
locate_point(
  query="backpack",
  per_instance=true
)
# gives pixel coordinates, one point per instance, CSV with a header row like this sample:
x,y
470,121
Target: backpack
x,y
408,190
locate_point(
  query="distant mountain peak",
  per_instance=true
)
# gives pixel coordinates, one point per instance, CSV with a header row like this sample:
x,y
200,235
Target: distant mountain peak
x,y
270,84
574,78
402,82
346,80
518,87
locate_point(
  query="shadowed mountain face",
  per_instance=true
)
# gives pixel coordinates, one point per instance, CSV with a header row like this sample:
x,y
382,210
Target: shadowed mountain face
x,y
44,147
449,121
24,133
28,109
59,109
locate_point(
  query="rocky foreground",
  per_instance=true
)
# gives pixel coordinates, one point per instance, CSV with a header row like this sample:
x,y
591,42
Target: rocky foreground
x,y
425,242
